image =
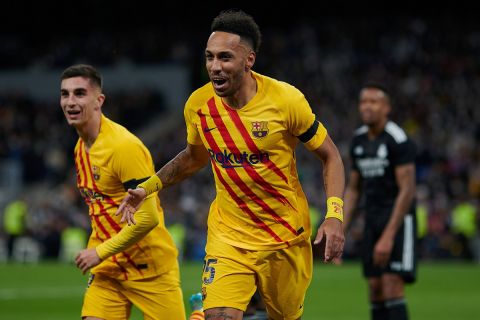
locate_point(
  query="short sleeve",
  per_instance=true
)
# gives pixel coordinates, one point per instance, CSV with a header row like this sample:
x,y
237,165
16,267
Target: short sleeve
x,y
191,122
301,121
352,156
132,162
403,152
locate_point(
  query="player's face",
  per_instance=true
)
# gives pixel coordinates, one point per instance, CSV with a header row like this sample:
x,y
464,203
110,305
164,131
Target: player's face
x,y
227,61
373,106
80,101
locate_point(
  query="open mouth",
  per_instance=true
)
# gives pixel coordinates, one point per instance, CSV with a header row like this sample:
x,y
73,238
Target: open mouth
x,y
73,114
219,83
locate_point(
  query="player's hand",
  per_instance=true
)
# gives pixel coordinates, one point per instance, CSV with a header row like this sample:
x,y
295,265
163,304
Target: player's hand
x,y
332,230
86,259
382,251
130,204
337,261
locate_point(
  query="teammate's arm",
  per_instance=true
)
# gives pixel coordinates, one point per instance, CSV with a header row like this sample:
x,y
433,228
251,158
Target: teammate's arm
x,y
146,219
405,179
186,163
334,180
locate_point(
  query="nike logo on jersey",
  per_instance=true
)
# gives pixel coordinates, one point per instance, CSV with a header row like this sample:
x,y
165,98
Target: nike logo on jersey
x,y
209,129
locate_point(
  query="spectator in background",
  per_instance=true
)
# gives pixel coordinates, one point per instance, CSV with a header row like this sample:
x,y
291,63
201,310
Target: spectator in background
x,y
14,223
73,240
464,227
431,71
383,171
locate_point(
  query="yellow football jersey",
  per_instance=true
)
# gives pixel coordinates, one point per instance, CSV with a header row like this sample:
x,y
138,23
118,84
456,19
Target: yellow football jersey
x,y
117,161
259,203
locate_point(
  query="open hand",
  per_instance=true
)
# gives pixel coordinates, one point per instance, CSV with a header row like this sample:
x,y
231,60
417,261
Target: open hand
x,y
382,251
130,204
86,259
332,230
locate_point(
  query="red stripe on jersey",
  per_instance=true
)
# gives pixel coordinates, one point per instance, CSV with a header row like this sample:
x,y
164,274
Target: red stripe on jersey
x,y
112,202
242,205
234,176
101,226
76,168
82,164
251,171
122,268
116,226
92,215
104,213
81,186
250,143
114,258
253,147
107,234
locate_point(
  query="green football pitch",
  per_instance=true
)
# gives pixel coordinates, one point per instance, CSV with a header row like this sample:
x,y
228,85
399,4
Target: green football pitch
x,y
444,291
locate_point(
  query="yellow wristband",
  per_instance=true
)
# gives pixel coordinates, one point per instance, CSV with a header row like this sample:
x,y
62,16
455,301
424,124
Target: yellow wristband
x,y
334,208
151,185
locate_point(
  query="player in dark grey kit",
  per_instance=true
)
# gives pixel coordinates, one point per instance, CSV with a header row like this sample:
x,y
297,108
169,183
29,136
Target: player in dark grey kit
x,y
383,172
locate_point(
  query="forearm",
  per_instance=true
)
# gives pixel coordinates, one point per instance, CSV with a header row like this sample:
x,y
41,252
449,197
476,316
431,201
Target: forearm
x,y
146,219
178,169
400,209
350,204
334,176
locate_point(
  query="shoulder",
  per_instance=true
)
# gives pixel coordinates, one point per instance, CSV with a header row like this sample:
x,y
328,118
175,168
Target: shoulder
x,y
283,89
200,96
396,132
277,89
360,131
360,134
120,138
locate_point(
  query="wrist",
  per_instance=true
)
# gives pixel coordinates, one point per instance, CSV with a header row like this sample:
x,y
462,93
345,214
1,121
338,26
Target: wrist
x,y
151,185
334,208
101,252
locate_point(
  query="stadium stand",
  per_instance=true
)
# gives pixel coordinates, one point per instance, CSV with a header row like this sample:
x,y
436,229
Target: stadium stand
x,y
431,65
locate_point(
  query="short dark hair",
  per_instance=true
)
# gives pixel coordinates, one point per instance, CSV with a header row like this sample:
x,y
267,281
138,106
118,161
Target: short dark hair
x,y
85,71
238,22
379,86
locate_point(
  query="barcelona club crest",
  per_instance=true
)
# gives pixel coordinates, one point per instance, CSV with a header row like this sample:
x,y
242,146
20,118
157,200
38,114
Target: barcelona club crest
x,y
96,172
259,129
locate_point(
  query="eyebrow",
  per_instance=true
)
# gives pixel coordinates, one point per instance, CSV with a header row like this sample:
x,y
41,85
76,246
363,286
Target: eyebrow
x,y
75,90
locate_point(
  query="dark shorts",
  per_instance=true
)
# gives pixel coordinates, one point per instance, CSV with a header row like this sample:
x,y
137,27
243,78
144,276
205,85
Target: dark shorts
x,y
403,260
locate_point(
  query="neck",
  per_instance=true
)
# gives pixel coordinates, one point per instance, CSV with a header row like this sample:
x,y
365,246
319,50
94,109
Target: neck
x,y
244,94
89,132
375,129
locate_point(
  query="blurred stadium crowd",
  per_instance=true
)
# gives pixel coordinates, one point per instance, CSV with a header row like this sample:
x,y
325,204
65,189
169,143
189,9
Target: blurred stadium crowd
x,y
430,65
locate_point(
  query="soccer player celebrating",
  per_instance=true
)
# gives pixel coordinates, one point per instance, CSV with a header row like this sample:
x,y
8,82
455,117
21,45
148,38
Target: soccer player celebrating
x,y
383,170
129,264
247,126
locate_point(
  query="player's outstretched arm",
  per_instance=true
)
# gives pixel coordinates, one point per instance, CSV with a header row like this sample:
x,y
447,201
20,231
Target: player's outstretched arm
x,y
334,177
130,204
186,163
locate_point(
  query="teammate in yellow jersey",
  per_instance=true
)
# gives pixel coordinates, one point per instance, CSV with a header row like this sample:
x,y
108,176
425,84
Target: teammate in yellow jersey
x,y
129,264
247,126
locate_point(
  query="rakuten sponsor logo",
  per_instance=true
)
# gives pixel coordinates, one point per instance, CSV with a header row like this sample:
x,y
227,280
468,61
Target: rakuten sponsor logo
x,y
231,160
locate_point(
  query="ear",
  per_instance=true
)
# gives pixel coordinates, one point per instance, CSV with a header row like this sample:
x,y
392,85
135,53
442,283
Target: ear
x,y
388,108
100,101
250,60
